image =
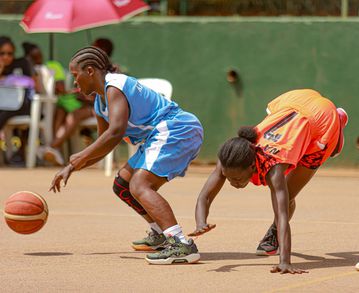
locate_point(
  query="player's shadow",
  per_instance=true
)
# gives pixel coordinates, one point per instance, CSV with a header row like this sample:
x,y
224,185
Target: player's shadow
x,y
48,253
341,259
118,253
206,256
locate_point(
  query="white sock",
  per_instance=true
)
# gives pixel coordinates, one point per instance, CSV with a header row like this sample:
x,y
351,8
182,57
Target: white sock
x,y
155,227
175,230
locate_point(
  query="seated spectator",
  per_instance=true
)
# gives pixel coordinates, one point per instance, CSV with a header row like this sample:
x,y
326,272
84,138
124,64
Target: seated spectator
x,y
107,46
15,72
72,108
33,55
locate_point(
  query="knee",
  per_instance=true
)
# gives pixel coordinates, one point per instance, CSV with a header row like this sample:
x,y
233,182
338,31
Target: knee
x,y
70,119
137,188
121,189
120,186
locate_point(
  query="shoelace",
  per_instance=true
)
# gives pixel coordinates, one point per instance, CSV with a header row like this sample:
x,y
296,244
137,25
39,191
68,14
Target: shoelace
x,y
169,247
150,235
270,233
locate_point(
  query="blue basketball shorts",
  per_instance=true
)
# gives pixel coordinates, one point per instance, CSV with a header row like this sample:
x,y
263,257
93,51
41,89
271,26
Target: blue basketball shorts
x,y
170,147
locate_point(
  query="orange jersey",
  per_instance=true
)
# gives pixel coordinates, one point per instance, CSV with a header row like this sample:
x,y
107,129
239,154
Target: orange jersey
x,y
302,127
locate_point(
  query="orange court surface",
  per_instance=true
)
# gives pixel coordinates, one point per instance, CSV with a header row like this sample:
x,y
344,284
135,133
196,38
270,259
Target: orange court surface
x,y
85,244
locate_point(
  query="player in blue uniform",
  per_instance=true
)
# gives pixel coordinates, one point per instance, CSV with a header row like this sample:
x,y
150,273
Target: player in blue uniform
x,y
171,138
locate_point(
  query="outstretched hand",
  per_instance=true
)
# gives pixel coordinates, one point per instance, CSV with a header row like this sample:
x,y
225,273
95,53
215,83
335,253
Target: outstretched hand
x,y
202,229
286,269
64,175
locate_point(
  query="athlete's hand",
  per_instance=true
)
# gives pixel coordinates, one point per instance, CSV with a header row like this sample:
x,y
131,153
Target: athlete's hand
x,y
286,269
64,175
202,229
77,161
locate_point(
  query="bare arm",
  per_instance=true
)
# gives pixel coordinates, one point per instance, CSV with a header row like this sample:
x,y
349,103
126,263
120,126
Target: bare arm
x,y
280,202
102,126
209,191
109,137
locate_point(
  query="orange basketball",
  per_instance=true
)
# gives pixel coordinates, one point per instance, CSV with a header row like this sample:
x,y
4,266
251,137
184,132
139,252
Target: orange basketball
x,y
25,212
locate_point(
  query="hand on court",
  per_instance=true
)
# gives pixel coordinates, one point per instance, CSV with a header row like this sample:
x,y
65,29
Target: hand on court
x,y
286,269
64,175
202,229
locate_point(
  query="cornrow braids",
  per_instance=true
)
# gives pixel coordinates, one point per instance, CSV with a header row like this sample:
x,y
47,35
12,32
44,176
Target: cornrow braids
x,y
93,56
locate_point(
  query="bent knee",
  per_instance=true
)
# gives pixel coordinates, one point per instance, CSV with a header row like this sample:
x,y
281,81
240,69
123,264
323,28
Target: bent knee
x,y
139,187
136,187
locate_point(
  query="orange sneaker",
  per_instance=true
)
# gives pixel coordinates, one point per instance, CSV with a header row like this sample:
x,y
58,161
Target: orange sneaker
x,y
343,116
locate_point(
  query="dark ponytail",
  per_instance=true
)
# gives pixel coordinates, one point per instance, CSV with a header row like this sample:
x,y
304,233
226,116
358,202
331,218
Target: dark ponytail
x,y
239,152
249,133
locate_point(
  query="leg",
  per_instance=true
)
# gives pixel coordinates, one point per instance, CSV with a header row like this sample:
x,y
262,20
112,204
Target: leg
x,y
18,157
72,120
155,238
52,153
59,118
144,186
125,174
296,180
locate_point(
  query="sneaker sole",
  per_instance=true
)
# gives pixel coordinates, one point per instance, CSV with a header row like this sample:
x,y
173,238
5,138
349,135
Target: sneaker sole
x,y
267,253
346,114
189,259
143,248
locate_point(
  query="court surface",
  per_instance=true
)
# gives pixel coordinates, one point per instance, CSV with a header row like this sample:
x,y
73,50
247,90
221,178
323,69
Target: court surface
x,y
85,245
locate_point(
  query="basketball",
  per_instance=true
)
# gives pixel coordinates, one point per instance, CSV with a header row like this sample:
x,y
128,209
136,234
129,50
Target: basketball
x,y
25,212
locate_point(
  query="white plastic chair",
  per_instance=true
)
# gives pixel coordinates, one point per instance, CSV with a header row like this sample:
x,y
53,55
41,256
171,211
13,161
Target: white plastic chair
x,y
33,121
162,86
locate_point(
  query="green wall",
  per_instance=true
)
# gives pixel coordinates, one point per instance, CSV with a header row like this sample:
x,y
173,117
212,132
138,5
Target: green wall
x,y
273,55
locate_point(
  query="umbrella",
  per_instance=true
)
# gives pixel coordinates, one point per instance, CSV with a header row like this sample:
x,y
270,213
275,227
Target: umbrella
x,y
68,16
73,15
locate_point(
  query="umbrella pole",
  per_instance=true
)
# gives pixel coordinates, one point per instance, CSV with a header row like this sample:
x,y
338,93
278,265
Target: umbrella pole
x,y
51,46
89,37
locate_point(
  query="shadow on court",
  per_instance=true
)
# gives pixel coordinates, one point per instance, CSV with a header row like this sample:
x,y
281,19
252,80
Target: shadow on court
x,y
342,259
48,253
205,256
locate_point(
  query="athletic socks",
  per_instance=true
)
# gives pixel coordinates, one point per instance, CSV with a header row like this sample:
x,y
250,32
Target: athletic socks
x,y
175,230
155,227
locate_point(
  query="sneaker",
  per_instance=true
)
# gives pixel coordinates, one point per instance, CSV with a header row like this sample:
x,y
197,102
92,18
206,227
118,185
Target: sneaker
x,y
343,117
154,241
175,252
40,152
269,244
53,156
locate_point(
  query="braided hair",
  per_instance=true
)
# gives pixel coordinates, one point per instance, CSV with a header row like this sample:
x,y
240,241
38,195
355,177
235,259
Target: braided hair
x,y
93,56
239,152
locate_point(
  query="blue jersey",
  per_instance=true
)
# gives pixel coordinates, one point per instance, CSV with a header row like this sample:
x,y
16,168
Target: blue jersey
x,y
147,107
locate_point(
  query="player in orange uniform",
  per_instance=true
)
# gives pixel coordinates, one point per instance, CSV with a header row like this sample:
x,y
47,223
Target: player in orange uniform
x,y
302,130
